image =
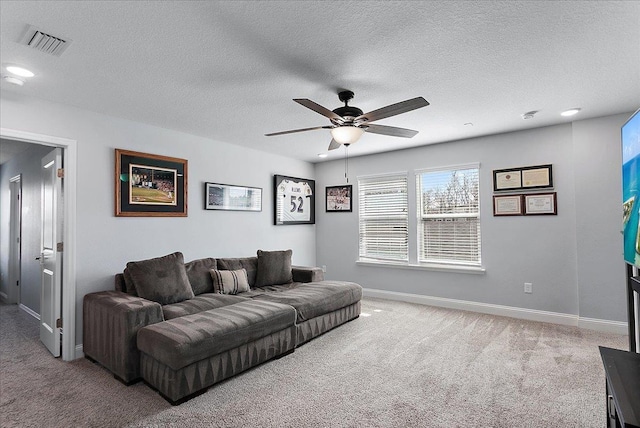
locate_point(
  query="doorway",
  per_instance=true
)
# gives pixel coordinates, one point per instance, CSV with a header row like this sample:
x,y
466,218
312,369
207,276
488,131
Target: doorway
x,y
68,283
15,240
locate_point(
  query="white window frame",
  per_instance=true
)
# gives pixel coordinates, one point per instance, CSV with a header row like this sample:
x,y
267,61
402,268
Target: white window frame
x,y
363,216
441,263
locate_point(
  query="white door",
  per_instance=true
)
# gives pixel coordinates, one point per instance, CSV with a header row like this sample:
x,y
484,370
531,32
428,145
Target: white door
x,y
51,252
15,219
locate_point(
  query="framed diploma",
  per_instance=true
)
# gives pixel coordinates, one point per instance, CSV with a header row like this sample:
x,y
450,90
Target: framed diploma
x,y
507,179
527,177
294,201
507,205
536,177
540,204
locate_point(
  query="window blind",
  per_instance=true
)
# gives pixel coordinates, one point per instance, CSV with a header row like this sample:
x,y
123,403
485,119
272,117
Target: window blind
x,y
383,217
449,216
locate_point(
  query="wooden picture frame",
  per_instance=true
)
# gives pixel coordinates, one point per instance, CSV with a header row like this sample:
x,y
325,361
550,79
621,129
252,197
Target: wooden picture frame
x,y
523,178
339,199
148,185
294,200
507,205
541,204
227,197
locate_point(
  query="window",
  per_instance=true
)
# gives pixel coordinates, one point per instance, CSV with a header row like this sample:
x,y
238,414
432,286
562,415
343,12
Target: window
x,y
383,213
449,215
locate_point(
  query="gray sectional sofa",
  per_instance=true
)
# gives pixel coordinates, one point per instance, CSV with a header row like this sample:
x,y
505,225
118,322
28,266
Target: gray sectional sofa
x,y
184,327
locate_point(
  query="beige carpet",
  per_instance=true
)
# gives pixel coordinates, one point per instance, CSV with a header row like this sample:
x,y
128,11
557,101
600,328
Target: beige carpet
x,y
398,365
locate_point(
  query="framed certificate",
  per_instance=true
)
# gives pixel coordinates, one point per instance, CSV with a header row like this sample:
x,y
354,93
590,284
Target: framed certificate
x,y
540,204
507,179
294,201
526,177
507,205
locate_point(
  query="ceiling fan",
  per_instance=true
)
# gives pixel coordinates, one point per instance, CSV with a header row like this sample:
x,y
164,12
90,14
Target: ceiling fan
x,y
348,123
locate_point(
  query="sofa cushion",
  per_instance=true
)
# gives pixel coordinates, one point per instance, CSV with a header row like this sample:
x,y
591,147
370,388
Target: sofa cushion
x,y
162,279
274,267
229,281
314,299
200,303
186,340
250,264
198,274
129,286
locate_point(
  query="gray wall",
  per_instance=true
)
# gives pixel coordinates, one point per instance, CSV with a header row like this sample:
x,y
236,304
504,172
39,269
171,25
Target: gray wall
x,y
28,164
105,243
573,259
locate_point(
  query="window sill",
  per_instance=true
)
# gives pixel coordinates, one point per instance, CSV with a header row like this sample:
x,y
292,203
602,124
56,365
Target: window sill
x,y
476,270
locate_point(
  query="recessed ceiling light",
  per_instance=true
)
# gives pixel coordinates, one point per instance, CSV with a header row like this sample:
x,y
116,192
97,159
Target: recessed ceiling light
x,y
13,80
19,71
323,155
570,112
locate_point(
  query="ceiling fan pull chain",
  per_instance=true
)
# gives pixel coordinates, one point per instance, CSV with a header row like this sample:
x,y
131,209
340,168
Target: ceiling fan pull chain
x,y
346,162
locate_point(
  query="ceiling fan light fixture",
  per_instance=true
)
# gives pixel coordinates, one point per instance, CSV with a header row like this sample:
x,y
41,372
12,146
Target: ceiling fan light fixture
x,y
346,134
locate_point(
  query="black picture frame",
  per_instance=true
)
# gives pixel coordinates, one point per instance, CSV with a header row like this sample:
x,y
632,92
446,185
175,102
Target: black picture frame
x,y
148,185
294,200
227,197
523,178
339,199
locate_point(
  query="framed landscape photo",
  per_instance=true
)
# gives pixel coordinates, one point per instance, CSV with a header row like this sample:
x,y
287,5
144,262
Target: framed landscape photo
x,y
540,204
232,198
148,185
294,200
507,205
338,199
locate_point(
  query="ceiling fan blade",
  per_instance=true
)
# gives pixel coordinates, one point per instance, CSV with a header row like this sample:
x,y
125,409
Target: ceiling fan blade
x,y
297,130
393,109
389,130
333,145
319,109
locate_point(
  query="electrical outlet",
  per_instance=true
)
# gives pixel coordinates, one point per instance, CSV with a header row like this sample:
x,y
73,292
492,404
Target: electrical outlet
x,y
324,268
528,287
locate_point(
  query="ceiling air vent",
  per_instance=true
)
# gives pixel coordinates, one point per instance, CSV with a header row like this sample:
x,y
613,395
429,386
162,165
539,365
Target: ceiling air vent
x,y
45,42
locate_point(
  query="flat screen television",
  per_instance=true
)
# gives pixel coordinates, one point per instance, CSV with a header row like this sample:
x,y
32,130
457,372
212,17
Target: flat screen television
x,y
631,189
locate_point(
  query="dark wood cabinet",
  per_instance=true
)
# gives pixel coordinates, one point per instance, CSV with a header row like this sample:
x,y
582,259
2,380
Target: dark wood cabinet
x,y
622,369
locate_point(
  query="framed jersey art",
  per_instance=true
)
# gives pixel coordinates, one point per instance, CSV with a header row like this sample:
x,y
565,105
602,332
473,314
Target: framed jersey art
x,y
295,200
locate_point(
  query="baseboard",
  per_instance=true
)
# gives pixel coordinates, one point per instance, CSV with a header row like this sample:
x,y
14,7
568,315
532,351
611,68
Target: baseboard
x,y
29,311
500,310
79,351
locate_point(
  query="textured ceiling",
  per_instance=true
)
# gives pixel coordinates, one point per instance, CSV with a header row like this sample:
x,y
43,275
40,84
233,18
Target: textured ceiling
x,y
229,70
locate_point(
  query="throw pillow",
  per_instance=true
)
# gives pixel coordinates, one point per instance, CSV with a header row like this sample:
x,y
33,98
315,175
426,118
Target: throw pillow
x,y
274,268
163,279
198,274
229,281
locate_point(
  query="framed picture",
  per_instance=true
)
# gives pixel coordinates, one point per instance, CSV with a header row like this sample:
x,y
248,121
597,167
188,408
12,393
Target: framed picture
x,y
507,205
232,198
150,185
507,179
527,177
338,199
540,204
294,200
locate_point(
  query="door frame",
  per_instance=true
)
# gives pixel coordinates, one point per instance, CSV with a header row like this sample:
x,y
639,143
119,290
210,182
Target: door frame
x,y
15,231
70,157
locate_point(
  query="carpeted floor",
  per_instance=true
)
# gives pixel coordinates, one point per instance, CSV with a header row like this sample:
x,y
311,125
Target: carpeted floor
x,y
398,365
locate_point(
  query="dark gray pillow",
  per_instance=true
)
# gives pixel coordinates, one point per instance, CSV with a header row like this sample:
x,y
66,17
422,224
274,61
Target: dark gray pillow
x,y
250,264
129,286
163,279
199,276
274,268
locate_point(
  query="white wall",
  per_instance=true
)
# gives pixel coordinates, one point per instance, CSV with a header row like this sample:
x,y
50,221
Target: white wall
x,y
577,275
28,164
105,243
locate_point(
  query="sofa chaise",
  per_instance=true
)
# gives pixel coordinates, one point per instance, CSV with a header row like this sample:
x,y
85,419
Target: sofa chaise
x,y
184,327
